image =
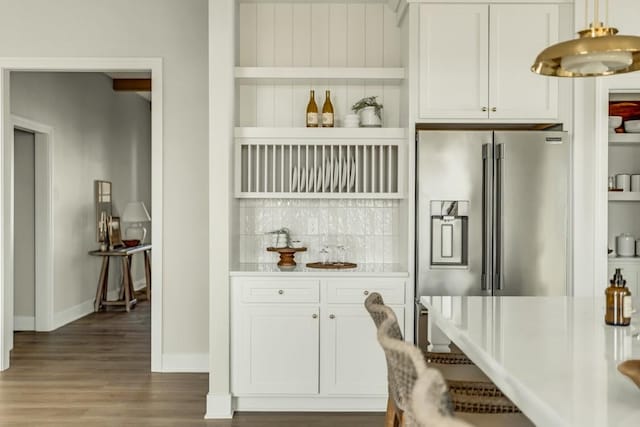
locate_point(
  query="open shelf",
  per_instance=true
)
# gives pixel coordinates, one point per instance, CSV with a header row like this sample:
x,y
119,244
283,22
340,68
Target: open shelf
x,y
389,74
623,259
620,139
320,133
624,196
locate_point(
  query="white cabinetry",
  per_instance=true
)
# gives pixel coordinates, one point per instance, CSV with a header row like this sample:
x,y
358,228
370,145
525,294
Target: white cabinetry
x,y
475,61
290,342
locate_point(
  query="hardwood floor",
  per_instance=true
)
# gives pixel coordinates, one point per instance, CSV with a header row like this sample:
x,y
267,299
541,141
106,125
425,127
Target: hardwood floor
x,y
96,371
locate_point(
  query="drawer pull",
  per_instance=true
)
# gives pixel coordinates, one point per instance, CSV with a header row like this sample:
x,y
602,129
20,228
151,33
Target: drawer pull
x,y
484,109
494,109
315,316
366,293
281,292
331,316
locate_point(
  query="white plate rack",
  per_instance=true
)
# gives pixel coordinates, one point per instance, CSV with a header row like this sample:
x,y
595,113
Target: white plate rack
x,y
319,163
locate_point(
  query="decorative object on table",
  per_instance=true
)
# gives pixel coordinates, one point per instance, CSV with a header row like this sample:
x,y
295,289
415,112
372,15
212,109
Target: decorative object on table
x,y
312,111
281,238
625,245
597,52
287,256
296,244
332,265
130,243
631,368
136,214
115,236
369,111
614,123
103,203
619,304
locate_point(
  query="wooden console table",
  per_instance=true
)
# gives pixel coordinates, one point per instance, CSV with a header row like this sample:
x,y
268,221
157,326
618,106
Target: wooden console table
x,y
127,293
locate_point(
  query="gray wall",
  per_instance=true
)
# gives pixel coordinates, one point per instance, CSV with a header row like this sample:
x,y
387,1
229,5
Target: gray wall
x,y
98,134
176,31
24,225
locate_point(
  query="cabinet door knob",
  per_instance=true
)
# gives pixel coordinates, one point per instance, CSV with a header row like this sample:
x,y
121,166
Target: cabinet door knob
x,y
484,109
494,109
366,293
315,316
281,292
331,316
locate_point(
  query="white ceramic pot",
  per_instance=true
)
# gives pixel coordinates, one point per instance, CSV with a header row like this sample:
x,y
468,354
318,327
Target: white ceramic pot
x,y
625,245
369,118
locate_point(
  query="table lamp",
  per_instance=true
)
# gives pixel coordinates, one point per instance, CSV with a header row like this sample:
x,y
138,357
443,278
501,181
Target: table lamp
x,y
135,213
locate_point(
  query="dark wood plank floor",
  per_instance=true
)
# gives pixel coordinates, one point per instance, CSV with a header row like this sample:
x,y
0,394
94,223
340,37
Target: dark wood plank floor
x,y
96,371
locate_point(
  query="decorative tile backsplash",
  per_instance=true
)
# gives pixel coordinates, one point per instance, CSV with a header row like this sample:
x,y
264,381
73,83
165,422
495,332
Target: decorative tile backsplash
x,y
367,228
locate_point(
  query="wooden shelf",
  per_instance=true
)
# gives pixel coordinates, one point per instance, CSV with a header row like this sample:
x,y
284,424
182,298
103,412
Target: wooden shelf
x,y
287,74
620,139
624,196
319,133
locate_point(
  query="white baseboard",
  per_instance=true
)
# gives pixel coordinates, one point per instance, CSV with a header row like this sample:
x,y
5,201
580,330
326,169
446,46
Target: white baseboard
x,y
309,404
74,313
219,406
137,285
24,323
185,362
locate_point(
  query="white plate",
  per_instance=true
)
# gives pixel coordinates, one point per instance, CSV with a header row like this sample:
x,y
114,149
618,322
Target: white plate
x,y
311,179
294,179
327,175
318,179
345,175
303,178
352,175
336,175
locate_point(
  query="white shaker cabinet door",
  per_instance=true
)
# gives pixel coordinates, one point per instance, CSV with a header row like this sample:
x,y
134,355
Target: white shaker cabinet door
x,y
518,32
277,350
454,68
353,362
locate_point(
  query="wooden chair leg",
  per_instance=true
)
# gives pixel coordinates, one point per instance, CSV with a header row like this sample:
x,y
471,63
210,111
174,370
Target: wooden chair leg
x,y
126,284
390,416
147,274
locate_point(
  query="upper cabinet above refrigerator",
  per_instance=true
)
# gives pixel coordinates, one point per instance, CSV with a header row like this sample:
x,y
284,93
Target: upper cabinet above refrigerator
x,y
475,59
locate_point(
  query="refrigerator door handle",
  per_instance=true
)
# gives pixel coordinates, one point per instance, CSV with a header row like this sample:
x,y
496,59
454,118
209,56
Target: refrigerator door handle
x,y
487,164
498,225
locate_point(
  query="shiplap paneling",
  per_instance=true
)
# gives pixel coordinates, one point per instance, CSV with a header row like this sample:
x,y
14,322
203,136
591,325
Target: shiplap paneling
x,y
320,34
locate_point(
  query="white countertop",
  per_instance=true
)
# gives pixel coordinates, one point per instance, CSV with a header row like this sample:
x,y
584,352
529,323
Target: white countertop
x,y
362,270
553,356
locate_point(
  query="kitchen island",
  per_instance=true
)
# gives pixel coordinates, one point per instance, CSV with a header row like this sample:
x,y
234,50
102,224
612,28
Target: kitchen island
x,y
553,356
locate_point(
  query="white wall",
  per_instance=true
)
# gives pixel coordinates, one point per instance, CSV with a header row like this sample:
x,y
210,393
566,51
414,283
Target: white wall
x,y
100,134
24,223
176,31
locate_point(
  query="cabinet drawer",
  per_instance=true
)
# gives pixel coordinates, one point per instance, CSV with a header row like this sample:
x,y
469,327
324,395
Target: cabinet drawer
x,y
281,291
356,291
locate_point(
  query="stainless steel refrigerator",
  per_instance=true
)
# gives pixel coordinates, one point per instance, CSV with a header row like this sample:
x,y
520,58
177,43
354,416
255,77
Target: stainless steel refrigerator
x,y
492,213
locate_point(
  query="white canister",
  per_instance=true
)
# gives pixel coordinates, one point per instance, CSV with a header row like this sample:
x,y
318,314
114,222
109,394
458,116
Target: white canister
x,y
635,182
623,182
638,247
625,245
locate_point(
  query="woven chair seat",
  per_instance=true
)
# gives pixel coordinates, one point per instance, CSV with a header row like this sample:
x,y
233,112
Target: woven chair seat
x,y
447,358
475,404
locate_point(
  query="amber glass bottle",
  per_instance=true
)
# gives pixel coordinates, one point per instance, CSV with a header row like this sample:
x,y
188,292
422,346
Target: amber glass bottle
x,y
327,111
312,111
618,301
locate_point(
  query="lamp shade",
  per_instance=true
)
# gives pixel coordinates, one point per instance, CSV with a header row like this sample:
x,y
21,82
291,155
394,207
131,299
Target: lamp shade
x,y
135,212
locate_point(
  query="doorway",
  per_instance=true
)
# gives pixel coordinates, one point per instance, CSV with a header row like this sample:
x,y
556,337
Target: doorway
x,y
7,195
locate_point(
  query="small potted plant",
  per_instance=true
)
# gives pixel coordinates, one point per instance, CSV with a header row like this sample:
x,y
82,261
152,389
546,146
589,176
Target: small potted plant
x,y
369,111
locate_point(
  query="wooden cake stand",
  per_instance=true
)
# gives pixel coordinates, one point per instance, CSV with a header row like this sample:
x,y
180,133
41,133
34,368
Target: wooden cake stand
x,y
287,255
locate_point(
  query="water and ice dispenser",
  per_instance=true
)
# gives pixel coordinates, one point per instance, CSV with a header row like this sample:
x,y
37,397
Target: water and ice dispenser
x,y
449,233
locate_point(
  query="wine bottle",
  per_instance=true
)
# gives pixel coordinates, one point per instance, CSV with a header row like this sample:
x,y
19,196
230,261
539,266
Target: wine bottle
x,y
327,111
312,111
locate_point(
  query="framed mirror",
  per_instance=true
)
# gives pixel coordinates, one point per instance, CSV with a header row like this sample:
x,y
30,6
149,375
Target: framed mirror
x,y
103,199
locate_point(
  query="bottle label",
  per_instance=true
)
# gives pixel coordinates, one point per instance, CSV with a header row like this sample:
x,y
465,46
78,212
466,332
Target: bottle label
x,y
626,306
312,119
327,119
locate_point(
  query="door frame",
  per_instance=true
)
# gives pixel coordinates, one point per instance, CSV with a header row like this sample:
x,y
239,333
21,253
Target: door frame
x,y
6,184
44,278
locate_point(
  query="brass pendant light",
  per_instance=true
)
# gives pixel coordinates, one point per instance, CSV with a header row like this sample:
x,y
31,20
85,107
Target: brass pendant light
x,y
599,51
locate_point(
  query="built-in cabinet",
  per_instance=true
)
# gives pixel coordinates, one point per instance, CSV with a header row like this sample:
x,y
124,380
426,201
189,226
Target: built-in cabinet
x,y
309,337
475,61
